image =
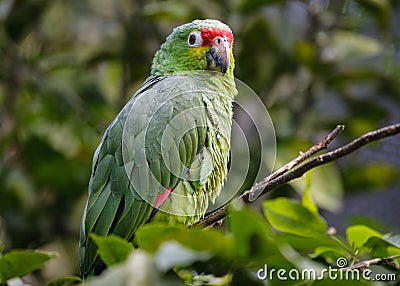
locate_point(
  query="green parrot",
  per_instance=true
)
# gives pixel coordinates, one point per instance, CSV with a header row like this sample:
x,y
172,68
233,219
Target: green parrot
x,y
165,156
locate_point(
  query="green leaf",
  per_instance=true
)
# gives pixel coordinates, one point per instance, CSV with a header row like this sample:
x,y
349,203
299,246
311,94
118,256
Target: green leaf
x,y
325,186
305,243
112,249
63,280
18,263
139,269
357,235
291,217
330,254
172,253
384,247
307,200
150,237
251,233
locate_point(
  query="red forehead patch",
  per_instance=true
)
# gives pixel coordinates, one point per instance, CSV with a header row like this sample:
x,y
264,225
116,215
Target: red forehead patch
x,y
208,36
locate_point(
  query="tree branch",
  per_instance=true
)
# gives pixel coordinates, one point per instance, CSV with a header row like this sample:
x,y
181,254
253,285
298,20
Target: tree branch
x,y
375,261
255,191
294,169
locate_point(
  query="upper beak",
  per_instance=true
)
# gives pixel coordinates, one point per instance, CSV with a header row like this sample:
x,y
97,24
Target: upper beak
x,y
218,58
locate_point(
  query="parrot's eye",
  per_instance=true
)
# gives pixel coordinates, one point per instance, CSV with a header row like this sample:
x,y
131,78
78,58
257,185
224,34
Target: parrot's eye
x,y
194,39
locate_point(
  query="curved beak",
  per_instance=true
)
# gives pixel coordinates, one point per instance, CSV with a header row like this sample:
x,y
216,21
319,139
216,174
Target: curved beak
x,y
218,58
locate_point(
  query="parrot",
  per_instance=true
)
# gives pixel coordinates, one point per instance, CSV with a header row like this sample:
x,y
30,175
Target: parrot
x,y
165,155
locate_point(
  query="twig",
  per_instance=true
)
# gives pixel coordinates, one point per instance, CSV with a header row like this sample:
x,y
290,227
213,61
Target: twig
x,y
274,181
375,261
255,191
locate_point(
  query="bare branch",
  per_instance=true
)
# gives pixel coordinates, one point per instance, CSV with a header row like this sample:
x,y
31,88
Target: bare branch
x,y
375,261
255,191
294,169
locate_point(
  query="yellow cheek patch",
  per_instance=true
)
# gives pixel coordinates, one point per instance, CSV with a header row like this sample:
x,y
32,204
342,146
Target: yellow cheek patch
x,y
199,52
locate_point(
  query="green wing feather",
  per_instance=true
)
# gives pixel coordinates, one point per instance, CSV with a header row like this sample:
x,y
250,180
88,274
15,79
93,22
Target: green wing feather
x,y
143,152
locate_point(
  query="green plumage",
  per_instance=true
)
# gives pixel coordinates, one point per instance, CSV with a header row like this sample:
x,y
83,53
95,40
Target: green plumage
x,y
173,133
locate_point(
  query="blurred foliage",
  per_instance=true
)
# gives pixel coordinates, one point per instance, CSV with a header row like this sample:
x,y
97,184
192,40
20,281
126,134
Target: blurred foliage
x,y
250,249
291,238
67,67
112,249
18,263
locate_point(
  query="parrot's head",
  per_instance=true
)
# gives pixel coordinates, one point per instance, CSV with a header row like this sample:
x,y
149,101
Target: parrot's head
x,y
199,45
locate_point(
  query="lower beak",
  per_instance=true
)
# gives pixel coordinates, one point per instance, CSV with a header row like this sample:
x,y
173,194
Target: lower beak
x,y
218,58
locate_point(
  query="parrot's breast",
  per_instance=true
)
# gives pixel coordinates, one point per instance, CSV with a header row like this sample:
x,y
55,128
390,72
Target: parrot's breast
x,y
203,182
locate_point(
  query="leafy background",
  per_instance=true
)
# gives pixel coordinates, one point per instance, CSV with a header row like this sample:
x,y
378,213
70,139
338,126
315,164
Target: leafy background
x,y
67,67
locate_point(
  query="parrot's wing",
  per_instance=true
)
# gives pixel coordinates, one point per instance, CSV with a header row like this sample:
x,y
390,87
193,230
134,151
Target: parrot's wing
x,y
144,153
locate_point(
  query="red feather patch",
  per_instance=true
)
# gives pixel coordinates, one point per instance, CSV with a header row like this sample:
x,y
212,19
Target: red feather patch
x,y
208,36
161,198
